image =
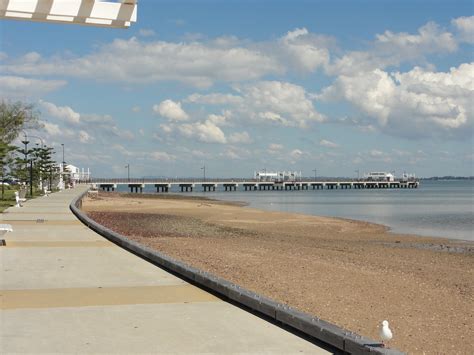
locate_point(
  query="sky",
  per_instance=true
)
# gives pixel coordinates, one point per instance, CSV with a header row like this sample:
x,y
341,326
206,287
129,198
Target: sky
x,y
239,86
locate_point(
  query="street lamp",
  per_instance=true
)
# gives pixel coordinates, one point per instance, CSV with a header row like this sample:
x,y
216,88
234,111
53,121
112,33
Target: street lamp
x,y
25,142
128,171
315,174
204,169
62,145
61,173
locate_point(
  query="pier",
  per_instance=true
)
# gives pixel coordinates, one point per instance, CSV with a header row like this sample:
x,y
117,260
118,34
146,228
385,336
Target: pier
x,y
229,185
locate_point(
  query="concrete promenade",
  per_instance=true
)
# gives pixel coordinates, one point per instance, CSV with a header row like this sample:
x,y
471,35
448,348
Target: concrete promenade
x,y
65,289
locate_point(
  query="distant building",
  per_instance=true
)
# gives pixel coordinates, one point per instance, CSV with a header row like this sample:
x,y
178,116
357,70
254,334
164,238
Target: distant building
x,y
72,175
379,176
278,176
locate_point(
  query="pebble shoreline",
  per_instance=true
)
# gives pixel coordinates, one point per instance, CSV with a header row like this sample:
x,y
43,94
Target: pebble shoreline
x,y
347,272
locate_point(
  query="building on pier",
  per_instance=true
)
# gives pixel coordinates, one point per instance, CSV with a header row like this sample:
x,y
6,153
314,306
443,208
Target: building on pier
x,y
278,176
379,176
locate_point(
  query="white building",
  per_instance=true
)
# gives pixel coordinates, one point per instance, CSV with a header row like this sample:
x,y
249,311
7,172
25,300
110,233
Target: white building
x,y
278,176
379,176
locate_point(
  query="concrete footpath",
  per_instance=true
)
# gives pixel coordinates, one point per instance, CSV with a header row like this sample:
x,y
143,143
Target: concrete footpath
x,y
66,289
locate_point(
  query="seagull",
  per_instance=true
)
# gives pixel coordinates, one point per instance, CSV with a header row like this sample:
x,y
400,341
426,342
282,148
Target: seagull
x,y
385,333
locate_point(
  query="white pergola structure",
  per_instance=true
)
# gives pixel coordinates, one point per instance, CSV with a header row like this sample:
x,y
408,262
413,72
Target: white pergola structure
x,y
83,12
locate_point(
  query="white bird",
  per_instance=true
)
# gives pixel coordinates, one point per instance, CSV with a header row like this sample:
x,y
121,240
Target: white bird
x,y
385,332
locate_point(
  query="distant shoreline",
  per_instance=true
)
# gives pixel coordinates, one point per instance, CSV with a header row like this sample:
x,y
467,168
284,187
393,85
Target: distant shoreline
x,y
348,272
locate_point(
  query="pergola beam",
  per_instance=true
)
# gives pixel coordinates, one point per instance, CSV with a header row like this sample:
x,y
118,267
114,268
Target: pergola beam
x,y
84,12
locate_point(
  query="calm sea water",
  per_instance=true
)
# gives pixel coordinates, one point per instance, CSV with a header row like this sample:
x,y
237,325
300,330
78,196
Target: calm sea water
x,y
436,208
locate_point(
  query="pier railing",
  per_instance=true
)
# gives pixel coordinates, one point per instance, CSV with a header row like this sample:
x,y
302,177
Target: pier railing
x,y
229,180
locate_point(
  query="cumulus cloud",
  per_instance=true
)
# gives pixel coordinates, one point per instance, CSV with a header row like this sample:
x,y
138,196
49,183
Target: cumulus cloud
x,y
215,99
295,155
71,121
276,102
328,144
146,32
207,132
64,113
134,61
392,49
240,137
16,87
416,103
171,110
162,156
51,128
274,148
85,137
465,28
303,50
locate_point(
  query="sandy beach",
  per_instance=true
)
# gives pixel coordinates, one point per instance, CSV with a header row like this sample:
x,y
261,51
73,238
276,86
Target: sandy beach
x,y
354,274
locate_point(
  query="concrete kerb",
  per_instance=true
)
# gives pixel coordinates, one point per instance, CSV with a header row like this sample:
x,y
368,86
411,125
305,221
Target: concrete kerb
x,y
311,326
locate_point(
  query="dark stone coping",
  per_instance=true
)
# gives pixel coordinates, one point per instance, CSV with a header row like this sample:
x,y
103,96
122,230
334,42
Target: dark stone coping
x,y
311,326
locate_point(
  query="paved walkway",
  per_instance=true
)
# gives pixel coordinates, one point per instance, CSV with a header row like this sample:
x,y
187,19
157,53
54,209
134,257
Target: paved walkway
x,y
65,289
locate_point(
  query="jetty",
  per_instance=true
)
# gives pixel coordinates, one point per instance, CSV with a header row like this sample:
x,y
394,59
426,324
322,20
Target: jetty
x,y
237,184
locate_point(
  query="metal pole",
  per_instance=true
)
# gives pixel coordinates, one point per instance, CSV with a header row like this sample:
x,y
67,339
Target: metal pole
x,y
204,169
128,171
315,174
62,144
31,177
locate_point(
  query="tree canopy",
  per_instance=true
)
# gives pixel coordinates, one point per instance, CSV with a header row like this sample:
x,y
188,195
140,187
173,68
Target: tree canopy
x,y
15,116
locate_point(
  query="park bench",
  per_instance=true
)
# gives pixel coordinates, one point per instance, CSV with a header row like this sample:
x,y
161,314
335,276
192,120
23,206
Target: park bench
x,y
20,197
4,229
46,191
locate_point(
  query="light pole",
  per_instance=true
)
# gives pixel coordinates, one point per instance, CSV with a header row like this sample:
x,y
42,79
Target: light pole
x,y
128,171
61,173
204,169
315,174
62,145
25,142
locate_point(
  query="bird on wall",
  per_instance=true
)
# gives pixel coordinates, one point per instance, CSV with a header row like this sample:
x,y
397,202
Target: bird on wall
x,y
385,333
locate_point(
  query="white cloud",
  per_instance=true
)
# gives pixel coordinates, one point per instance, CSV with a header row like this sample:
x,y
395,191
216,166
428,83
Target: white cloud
x,y
429,39
206,132
51,128
96,118
303,50
215,99
171,110
328,144
146,32
162,156
133,61
274,147
465,27
413,104
296,154
103,125
240,137
236,153
276,102
136,109
15,87
219,120
391,49
122,150
64,113
85,137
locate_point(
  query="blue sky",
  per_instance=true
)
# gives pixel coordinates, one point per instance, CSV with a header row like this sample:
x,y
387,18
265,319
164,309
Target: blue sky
x,y
246,85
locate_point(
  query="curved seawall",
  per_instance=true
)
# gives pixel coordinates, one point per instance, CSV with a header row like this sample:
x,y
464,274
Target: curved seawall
x,y
311,326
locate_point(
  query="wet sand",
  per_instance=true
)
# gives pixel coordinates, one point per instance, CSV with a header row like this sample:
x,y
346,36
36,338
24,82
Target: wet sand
x,y
351,273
